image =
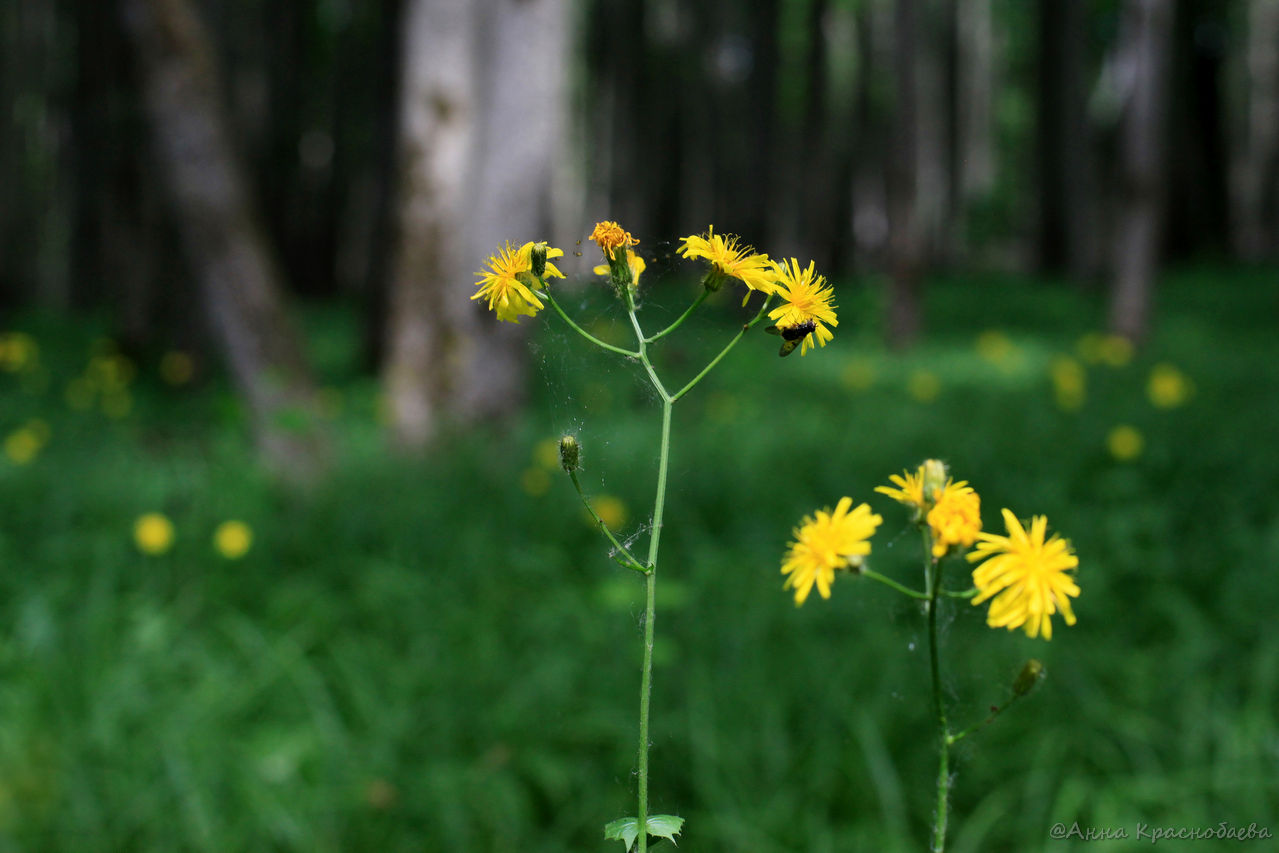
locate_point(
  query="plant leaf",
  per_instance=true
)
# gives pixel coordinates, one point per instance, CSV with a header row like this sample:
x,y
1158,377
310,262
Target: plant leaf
x,y
665,826
626,829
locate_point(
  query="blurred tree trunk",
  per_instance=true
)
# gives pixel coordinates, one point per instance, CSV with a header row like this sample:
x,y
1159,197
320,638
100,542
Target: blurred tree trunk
x,y
904,238
223,241
1143,74
1257,171
1068,237
481,120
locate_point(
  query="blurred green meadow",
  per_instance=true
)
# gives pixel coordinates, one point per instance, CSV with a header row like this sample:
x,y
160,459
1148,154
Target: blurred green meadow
x,y
438,655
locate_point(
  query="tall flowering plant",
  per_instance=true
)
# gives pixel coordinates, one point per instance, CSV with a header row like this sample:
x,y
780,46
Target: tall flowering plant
x,y
1026,576
518,282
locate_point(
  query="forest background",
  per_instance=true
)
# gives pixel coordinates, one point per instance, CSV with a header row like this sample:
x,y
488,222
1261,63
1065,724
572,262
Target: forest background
x,y
237,246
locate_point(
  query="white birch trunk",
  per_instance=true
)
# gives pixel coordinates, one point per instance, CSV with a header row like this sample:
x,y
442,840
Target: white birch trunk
x,y
482,117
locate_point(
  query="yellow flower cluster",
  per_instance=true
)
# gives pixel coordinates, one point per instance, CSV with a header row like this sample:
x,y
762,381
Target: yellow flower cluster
x,y
154,534
512,284
1026,576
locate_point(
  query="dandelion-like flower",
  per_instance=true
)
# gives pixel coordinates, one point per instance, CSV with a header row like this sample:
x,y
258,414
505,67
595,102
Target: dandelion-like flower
x,y
509,284
233,539
1028,578
826,543
955,519
610,237
730,259
806,299
909,491
153,533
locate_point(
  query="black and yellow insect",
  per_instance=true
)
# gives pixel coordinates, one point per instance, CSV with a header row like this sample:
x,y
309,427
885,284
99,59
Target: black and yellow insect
x,y
792,336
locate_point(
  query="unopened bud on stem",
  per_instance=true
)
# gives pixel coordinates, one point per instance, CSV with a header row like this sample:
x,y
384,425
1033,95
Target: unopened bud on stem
x,y
570,454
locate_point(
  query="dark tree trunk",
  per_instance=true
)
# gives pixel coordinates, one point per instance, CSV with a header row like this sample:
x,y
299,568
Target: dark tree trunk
x,y
904,238
223,241
1067,206
1144,51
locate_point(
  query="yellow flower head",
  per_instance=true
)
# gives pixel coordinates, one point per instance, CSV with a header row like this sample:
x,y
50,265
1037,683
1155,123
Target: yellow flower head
x,y
153,533
826,543
955,519
1125,442
610,237
634,261
1029,578
729,259
909,491
1168,387
510,285
806,299
232,539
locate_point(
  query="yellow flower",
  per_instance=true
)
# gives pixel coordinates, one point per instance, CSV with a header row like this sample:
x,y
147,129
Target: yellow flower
x,y
909,491
233,539
610,237
21,446
1027,577
955,518
1069,383
634,261
1125,443
1168,387
611,510
826,543
728,259
807,299
924,385
153,533
509,284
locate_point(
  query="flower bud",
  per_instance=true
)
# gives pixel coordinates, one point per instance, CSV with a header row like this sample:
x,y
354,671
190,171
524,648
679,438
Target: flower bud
x,y
1031,674
934,479
538,259
570,454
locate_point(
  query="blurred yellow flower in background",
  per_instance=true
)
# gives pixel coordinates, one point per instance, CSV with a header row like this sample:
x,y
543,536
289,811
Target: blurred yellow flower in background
x,y
611,510
858,374
18,352
1069,383
233,539
535,481
924,386
1125,442
1168,387
153,533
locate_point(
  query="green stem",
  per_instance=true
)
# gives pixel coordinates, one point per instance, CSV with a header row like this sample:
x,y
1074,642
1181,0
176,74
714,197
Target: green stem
x,y
994,712
932,572
954,593
673,326
650,613
716,360
629,560
546,294
876,576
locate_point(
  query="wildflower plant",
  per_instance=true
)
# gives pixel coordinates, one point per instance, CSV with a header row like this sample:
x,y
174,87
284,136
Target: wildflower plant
x,y
1026,577
518,283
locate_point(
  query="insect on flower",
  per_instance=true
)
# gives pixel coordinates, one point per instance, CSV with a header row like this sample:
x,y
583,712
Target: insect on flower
x,y
792,336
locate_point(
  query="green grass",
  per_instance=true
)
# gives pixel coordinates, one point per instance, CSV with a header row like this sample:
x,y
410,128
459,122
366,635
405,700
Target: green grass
x,y
424,656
